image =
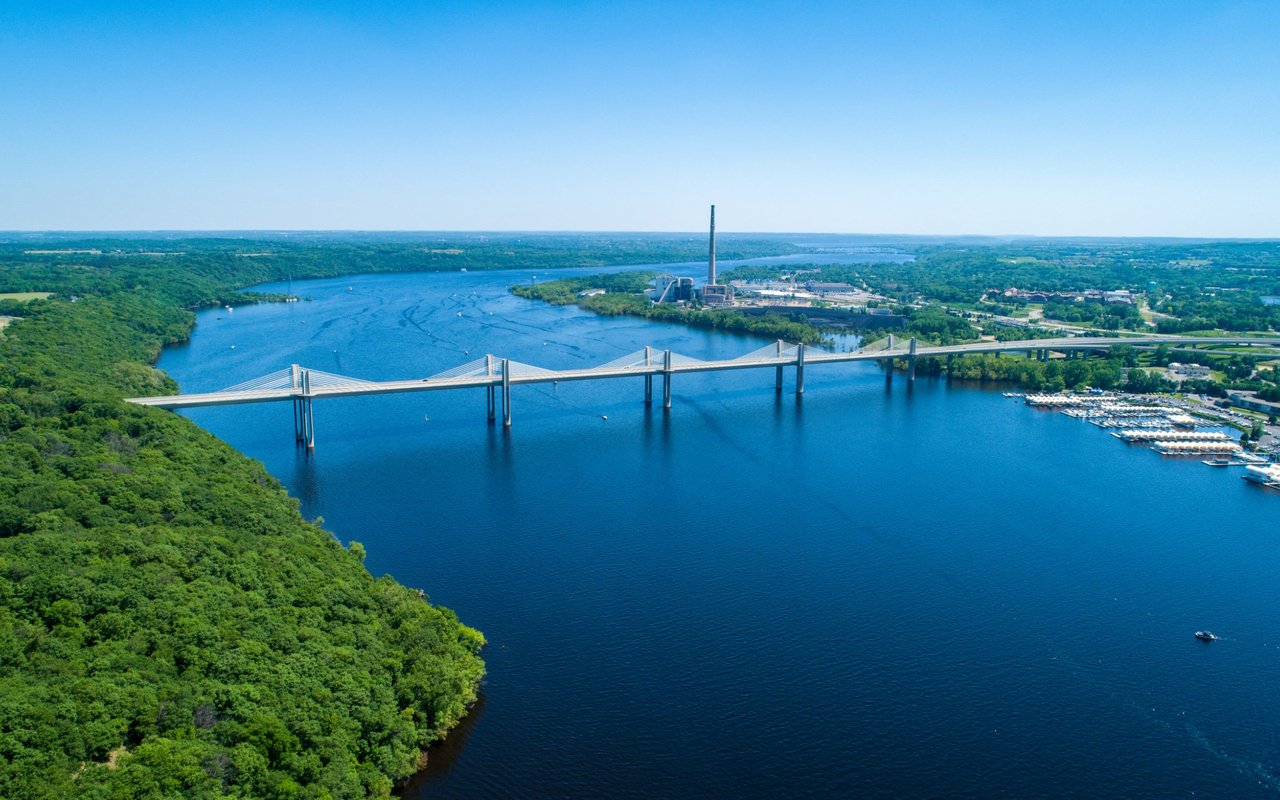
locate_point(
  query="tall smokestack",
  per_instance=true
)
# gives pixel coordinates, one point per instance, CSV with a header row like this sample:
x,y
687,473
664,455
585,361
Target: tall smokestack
x,y
711,264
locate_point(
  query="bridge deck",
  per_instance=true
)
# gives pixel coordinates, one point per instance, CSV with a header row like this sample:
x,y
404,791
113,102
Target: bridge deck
x,y
537,375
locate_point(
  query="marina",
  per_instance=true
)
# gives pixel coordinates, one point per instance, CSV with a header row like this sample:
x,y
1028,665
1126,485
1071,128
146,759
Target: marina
x,y
1166,429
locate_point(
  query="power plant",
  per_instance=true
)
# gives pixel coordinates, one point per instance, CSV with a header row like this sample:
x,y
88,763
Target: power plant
x,y
715,294
677,289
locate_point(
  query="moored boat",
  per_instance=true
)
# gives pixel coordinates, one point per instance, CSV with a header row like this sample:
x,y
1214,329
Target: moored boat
x,y
1265,474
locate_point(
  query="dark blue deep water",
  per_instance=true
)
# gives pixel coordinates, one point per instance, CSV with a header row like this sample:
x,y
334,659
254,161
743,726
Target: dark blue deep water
x,y
878,591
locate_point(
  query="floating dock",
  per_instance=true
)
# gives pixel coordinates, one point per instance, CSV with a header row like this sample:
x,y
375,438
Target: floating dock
x,y
1225,447
1171,436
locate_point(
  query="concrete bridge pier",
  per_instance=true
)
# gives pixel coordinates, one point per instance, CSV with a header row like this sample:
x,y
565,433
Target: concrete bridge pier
x,y
800,369
777,379
950,359
489,390
648,379
309,434
506,393
666,379
911,361
304,419
298,415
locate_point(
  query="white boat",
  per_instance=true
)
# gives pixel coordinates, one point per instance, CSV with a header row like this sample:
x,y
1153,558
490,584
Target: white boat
x,y
1265,474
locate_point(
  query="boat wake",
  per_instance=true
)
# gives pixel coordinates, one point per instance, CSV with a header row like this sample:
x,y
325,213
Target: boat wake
x,y
1255,769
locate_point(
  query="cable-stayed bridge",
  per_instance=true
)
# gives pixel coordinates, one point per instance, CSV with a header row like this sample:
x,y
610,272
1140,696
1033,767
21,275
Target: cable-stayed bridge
x,y
302,386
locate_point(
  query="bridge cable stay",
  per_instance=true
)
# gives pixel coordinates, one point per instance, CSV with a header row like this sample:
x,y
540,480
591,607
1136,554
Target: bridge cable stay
x,y
770,352
330,380
470,369
886,344
678,359
280,379
635,359
520,368
283,379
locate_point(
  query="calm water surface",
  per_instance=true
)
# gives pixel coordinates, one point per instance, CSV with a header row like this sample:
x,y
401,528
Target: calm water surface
x,y
873,592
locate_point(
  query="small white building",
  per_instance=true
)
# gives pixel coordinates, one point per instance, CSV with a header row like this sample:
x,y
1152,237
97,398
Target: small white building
x,y
1183,372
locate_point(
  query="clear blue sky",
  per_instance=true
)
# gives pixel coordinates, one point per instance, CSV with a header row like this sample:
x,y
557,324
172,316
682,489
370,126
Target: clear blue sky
x,y
1065,117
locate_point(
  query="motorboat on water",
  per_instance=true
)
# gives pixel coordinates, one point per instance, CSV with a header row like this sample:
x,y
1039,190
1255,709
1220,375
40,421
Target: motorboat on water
x,y
1265,474
1206,636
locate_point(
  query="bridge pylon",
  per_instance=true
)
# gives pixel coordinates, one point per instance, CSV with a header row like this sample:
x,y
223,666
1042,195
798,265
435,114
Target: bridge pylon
x,y
911,360
304,418
506,393
666,379
648,378
799,369
777,378
489,390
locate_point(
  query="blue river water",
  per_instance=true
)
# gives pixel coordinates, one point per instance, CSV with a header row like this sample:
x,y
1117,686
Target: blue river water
x,y
875,591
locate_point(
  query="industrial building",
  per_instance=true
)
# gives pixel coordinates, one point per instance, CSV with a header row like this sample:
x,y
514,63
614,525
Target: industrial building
x,y
671,289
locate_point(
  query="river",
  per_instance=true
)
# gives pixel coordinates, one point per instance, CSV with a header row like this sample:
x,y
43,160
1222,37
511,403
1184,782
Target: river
x,y
876,591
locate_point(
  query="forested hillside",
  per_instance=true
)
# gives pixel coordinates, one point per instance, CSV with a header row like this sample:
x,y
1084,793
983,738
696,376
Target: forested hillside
x,y
169,624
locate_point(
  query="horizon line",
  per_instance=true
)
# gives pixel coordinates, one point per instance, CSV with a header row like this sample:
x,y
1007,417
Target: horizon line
x,y
132,232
